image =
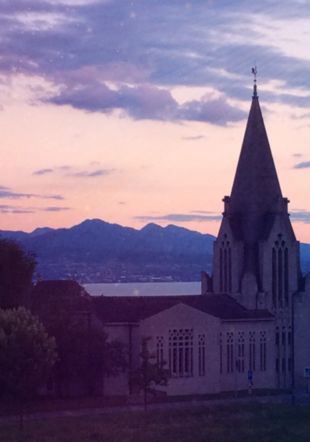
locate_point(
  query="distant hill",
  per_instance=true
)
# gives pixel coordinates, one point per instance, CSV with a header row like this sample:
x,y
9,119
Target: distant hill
x,y
97,251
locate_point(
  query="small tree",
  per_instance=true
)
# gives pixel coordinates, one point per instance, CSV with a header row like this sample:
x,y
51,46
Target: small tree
x,y
27,355
149,373
16,272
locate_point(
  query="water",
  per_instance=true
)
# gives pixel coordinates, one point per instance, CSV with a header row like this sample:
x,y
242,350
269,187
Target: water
x,y
144,289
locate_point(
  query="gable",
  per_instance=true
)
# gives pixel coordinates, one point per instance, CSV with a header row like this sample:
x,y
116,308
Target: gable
x,y
180,316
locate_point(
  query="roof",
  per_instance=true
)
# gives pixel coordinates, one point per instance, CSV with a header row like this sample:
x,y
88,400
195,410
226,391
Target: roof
x,y
129,309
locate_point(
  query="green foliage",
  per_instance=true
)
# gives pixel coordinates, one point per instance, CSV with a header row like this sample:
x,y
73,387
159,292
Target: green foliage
x,y
27,354
86,356
16,272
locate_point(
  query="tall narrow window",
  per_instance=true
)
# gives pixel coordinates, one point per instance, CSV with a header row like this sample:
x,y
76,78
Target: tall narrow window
x,y
289,349
286,277
252,351
225,266
262,351
181,352
240,360
230,352
221,270
280,274
229,271
225,270
274,278
201,355
160,350
221,353
280,278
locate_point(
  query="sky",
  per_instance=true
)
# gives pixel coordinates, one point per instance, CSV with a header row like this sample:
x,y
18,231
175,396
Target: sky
x,y
134,111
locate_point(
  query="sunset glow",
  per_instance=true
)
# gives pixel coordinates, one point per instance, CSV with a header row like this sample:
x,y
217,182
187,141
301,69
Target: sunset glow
x,y
134,111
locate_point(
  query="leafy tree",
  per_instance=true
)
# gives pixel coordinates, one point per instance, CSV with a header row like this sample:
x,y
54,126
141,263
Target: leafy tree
x,y
86,356
149,374
27,355
16,272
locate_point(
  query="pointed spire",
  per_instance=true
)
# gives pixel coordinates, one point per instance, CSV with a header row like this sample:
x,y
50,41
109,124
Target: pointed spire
x,y
256,190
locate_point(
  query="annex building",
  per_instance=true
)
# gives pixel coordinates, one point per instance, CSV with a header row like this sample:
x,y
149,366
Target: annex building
x,y
250,325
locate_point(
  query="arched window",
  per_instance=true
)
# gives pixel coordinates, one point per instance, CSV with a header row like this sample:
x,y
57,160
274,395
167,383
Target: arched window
x,y
230,352
280,274
241,352
252,351
225,266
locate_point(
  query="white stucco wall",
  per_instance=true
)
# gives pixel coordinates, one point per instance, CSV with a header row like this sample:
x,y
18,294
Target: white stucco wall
x,y
179,317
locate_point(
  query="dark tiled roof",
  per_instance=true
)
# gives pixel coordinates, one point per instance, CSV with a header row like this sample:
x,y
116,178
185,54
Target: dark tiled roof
x,y
115,309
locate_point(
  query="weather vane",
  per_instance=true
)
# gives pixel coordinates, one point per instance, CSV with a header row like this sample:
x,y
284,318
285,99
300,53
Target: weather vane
x,y
254,72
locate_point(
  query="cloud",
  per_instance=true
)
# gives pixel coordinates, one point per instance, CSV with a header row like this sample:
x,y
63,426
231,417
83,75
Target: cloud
x,y
302,165
69,171
302,216
147,102
92,174
8,209
216,111
180,217
55,209
40,172
5,192
193,137
11,209
81,46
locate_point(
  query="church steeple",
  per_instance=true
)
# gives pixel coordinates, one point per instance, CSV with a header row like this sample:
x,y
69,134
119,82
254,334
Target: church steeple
x,y
255,221
256,255
256,189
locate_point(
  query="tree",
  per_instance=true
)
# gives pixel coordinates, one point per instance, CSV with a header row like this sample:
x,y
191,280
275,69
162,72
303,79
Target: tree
x,y
86,355
149,374
27,355
16,272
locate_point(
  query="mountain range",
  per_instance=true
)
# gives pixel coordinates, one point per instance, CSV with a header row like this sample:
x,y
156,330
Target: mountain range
x,y
97,251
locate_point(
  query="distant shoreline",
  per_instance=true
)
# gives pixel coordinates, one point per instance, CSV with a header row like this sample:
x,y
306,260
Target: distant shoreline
x,y
143,288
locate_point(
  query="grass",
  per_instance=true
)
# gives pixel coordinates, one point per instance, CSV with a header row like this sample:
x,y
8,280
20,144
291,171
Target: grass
x,y
47,404
233,423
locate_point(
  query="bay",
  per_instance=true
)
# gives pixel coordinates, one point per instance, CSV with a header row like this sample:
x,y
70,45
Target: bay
x,y
144,288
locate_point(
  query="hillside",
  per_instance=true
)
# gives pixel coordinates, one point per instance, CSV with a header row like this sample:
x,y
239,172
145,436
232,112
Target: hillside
x,y
97,251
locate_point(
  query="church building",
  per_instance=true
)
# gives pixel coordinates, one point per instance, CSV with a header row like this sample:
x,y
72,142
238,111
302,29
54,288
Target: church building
x,y
249,327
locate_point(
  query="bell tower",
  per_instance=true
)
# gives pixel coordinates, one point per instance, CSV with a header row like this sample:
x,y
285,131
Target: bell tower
x,y
256,255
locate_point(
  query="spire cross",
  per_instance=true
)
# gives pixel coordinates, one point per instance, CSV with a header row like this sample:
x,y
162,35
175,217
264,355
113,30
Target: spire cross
x,y
254,72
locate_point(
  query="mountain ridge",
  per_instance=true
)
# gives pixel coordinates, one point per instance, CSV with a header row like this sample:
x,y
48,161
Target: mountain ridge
x,y
98,251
